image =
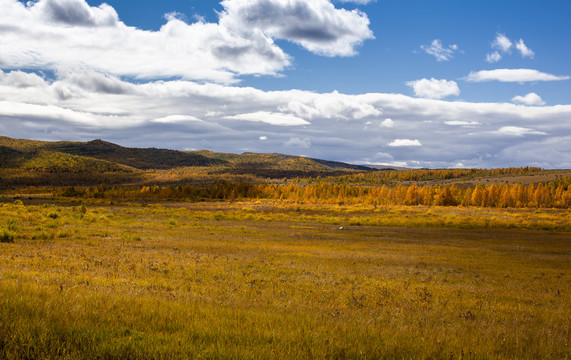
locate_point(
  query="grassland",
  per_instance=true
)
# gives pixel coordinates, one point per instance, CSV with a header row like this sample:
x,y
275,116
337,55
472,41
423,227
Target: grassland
x,y
270,279
109,252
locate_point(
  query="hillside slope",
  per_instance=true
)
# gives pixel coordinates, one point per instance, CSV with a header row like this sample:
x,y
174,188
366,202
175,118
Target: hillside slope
x,y
36,159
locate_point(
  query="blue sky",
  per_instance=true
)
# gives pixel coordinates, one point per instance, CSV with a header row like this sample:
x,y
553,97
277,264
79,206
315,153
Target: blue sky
x,y
413,83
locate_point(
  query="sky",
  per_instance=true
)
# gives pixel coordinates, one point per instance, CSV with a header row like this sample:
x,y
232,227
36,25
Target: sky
x,y
414,83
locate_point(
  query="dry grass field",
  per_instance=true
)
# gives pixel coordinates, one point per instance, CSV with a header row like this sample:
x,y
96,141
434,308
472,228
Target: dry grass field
x,y
268,280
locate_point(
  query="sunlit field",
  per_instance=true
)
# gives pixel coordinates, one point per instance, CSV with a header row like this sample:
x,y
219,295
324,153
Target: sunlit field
x,y
268,279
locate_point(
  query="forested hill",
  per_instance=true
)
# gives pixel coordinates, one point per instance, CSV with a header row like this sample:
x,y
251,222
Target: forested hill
x,y
143,159
22,161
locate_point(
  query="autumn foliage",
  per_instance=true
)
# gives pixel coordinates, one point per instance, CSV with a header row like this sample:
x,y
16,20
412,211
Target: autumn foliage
x,y
556,194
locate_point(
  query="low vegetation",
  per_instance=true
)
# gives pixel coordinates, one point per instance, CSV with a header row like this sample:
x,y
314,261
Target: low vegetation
x,y
277,280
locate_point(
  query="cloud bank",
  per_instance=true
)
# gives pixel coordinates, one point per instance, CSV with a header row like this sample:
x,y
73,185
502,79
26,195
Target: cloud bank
x,y
367,128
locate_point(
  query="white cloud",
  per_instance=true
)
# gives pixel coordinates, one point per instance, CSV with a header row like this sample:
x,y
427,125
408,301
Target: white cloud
x,y
452,132
63,34
70,34
512,75
316,25
524,50
529,99
75,13
433,88
21,79
271,118
40,112
502,43
468,124
263,138
331,106
493,57
517,131
388,123
438,51
176,119
212,113
175,15
404,142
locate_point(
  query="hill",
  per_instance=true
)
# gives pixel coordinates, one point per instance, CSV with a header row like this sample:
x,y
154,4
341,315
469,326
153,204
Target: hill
x,y
38,159
55,162
142,159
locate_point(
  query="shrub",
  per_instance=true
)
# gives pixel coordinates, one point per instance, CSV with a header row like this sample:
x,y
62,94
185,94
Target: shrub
x,y
7,236
12,226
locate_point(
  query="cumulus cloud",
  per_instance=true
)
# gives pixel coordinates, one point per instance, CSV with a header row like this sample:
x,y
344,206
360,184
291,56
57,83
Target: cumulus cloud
x,y
60,34
502,43
404,142
21,79
512,75
316,25
75,13
524,50
493,57
433,88
187,114
438,51
388,123
529,99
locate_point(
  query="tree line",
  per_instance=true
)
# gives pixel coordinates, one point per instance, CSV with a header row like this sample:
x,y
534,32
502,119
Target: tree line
x,y
555,194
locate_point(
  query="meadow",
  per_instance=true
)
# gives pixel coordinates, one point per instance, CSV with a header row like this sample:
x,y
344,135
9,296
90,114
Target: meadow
x,y
84,278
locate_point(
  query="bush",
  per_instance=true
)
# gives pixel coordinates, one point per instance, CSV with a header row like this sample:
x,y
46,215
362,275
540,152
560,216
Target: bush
x,y
12,226
7,236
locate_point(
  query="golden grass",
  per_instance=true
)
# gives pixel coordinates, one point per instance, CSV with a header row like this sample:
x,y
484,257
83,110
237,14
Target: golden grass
x,y
263,280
